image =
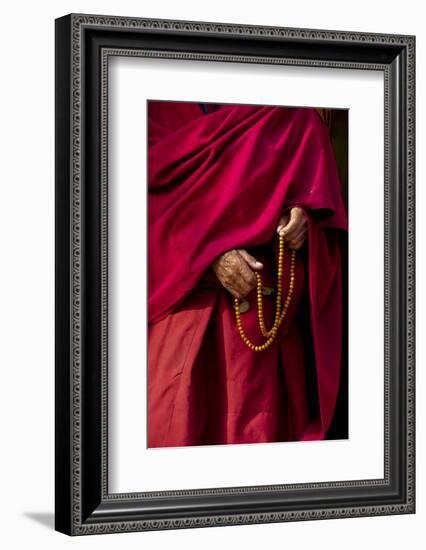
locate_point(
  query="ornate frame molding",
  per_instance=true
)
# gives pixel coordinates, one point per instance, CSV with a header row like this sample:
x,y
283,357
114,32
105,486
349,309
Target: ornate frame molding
x,y
73,47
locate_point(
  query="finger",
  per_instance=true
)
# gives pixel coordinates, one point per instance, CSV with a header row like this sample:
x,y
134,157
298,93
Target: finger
x,y
298,234
245,291
296,243
240,288
245,280
235,292
289,227
252,262
282,222
247,274
296,222
241,280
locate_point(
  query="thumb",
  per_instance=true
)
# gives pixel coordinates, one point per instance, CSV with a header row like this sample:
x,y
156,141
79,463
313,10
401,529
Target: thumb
x,y
282,222
290,225
252,262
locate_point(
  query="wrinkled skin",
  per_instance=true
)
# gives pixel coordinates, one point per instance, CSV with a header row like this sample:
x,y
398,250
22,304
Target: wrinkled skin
x,y
235,269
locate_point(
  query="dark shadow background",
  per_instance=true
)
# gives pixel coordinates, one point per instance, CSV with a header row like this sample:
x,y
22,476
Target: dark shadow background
x,y
337,123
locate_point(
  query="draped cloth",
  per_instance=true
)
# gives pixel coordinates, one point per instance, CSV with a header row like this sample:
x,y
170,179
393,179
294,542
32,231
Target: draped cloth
x,y
219,180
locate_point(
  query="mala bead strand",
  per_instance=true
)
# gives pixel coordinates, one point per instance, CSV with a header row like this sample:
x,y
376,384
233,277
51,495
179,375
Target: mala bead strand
x,y
244,337
279,313
263,329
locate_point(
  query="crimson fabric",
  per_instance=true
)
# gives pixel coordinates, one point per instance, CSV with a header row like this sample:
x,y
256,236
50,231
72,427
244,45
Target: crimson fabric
x,y
219,181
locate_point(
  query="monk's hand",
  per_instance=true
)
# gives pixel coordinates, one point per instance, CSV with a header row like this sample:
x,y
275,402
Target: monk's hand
x,y
235,270
293,227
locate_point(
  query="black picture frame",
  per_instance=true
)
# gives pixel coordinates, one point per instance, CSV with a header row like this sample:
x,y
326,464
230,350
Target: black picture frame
x,y
82,502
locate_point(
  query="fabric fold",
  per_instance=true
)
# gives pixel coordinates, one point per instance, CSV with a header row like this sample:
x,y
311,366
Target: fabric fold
x,y
219,181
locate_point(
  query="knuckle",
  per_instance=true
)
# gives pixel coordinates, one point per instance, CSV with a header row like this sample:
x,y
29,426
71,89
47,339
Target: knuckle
x,y
233,261
252,280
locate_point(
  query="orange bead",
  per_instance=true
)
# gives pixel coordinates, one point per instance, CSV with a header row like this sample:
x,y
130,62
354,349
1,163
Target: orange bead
x,y
281,309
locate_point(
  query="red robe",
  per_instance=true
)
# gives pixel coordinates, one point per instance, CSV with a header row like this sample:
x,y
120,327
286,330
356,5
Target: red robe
x,y
219,181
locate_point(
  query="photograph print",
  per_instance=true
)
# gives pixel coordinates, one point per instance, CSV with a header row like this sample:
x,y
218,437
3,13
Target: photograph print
x,y
247,274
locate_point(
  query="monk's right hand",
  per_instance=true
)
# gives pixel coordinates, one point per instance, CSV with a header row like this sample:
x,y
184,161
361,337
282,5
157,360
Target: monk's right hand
x,y
235,270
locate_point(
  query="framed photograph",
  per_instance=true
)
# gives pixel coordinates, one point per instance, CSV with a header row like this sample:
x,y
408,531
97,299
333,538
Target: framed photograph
x,y
235,213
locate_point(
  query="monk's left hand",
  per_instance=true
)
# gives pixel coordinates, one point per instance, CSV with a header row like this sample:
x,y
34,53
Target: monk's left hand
x,y
294,227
